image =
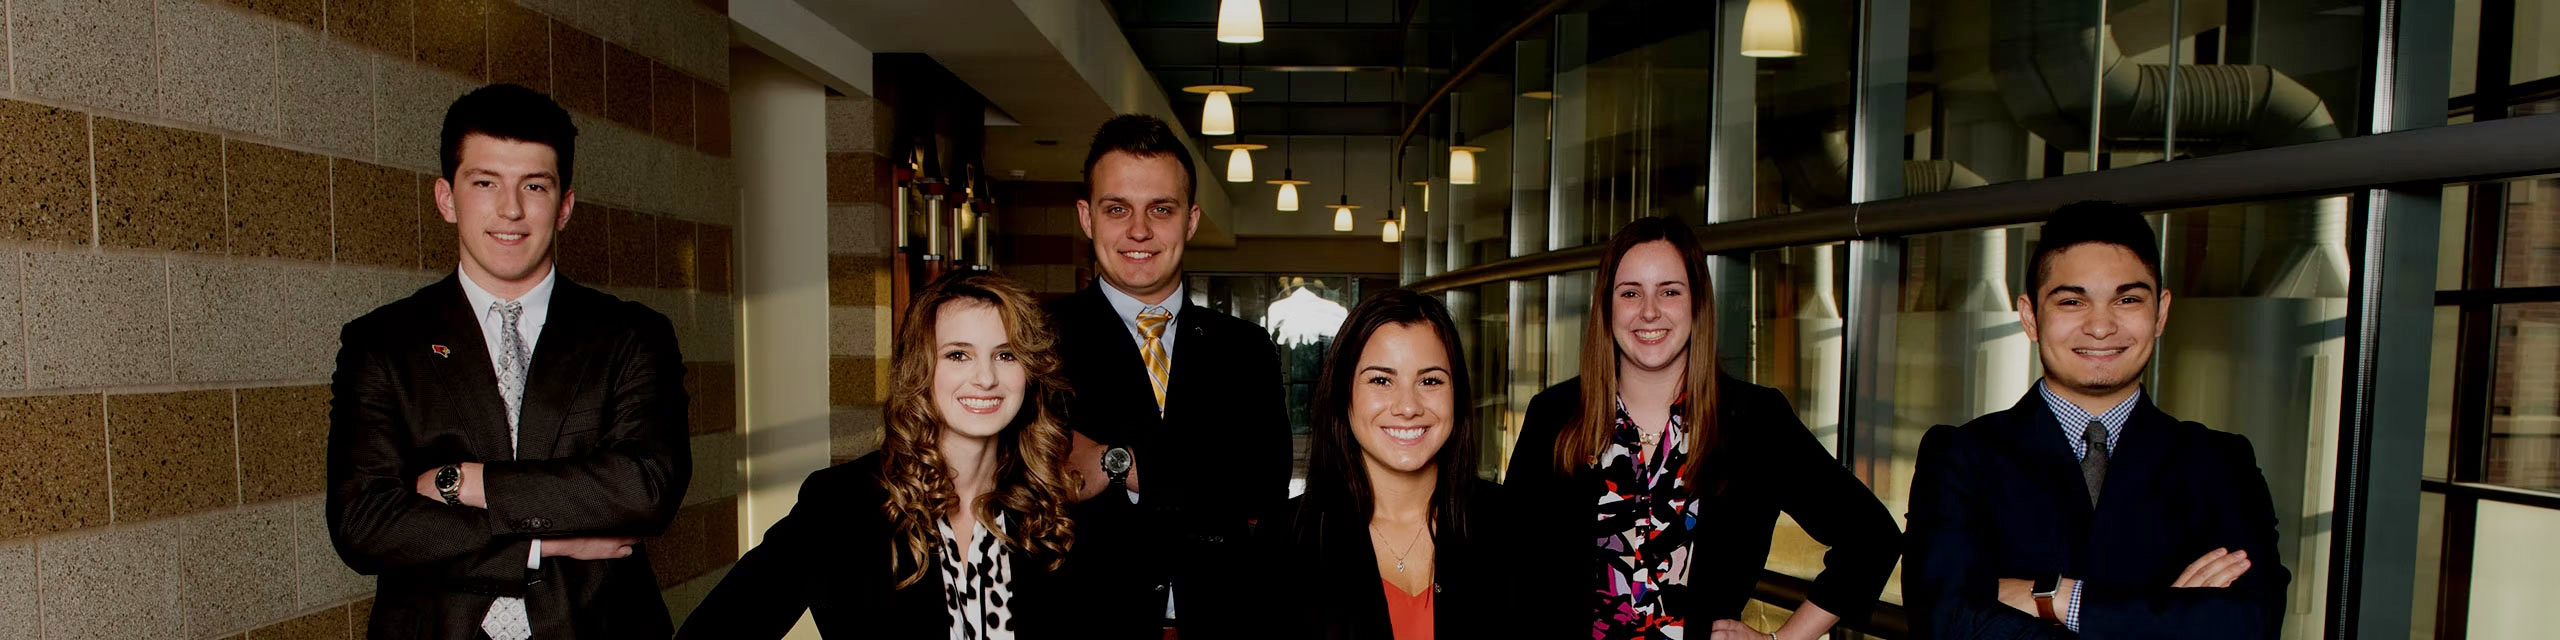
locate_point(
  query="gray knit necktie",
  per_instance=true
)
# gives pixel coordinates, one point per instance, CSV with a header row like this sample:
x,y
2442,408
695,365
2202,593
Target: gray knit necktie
x,y
506,619
2093,465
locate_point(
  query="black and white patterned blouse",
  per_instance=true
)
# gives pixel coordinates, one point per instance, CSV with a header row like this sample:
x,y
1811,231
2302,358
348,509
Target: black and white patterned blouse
x,y
977,589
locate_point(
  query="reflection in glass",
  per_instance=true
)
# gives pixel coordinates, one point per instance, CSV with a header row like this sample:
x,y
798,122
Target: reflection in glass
x,y
2511,568
2530,255
2524,401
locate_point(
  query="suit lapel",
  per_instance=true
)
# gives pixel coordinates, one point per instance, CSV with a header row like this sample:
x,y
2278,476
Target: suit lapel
x,y
1192,346
1123,371
2139,453
2038,440
469,373
555,376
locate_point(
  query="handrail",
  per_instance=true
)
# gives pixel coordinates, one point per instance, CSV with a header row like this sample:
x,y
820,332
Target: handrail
x,y
1535,16
2433,155
1885,620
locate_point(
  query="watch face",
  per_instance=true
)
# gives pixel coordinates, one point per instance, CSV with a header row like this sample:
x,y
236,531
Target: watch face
x,y
448,477
1115,460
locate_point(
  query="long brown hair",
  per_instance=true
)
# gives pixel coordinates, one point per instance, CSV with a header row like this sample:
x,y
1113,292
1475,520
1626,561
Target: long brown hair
x,y
1031,480
1579,446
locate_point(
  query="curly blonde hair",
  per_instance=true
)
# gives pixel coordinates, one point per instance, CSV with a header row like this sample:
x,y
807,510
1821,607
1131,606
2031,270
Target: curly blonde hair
x,y
1032,481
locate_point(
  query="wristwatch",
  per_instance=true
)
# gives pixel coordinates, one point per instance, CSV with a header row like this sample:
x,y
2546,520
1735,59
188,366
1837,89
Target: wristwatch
x,y
1116,461
2044,592
449,483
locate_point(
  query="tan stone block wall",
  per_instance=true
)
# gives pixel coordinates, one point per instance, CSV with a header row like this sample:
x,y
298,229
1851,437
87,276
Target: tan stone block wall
x,y
860,254
196,194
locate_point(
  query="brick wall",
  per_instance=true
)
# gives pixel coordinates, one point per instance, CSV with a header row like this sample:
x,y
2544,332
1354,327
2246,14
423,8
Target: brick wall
x,y
195,194
860,249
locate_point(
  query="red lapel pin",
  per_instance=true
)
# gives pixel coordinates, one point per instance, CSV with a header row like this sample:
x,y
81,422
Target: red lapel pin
x,y
441,350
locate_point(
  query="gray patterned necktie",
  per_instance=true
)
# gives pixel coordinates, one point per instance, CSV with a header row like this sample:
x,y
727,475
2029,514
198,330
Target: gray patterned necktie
x,y
506,619
2093,465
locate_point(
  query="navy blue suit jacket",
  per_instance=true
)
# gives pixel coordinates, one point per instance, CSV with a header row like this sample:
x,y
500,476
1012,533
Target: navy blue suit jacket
x,y
2002,497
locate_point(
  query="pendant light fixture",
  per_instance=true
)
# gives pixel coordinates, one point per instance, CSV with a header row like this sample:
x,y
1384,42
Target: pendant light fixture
x,y
1462,158
1240,21
1770,29
1218,114
1240,160
1288,200
1342,209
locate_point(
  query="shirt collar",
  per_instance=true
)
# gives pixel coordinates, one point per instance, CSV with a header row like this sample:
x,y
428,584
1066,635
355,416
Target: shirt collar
x,y
2075,418
1128,306
536,300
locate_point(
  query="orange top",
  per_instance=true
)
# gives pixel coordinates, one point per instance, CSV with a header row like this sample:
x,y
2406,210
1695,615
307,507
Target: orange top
x,y
1409,614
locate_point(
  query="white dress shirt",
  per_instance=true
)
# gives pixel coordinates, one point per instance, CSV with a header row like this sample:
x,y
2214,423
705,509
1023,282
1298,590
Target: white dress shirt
x,y
537,308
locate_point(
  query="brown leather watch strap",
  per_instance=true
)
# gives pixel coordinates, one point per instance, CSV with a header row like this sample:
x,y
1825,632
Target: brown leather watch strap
x,y
2044,608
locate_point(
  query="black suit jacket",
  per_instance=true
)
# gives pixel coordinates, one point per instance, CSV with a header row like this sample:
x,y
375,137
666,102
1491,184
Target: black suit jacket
x,y
1320,575
1769,462
1217,458
832,557
2002,497
601,450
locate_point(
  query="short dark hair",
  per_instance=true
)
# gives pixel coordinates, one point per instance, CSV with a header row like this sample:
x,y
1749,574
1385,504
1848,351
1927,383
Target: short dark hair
x,y
510,112
2090,221
1141,136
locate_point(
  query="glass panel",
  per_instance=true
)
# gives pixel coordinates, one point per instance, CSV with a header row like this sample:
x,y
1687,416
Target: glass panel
x,y
2450,233
2531,252
1788,115
1302,312
2512,564
2465,75
2429,566
2537,57
2439,453
2524,401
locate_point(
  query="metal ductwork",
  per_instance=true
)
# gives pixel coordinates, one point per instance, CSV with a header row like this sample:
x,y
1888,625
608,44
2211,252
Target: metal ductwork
x,y
2044,55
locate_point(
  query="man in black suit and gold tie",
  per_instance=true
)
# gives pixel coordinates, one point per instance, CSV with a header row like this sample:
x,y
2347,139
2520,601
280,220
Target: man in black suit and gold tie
x,y
1188,398
500,440
2085,511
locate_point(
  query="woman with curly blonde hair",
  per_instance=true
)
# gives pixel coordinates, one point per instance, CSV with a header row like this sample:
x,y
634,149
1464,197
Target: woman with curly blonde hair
x,y
957,526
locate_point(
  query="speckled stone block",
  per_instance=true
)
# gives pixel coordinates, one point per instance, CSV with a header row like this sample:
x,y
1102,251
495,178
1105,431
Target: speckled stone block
x,y
858,331
439,242
55,477
96,320
173,453
856,382
711,395
631,247
711,120
671,99
320,306
410,124
159,188
13,344
701,44
715,328
849,126
17,590
229,565
856,280
325,98
577,69
320,577
453,36
381,25
217,66
858,229
718,243
851,178
279,202
84,52
376,214
44,174
284,438
519,46
302,13
626,87
582,255
678,259
360,618
853,432
606,169
117,583
325,624
229,320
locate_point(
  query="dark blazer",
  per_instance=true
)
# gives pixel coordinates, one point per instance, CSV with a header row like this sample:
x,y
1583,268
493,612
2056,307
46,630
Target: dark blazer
x,y
2002,497
1218,456
601,451
832,557
1768,462
1320,571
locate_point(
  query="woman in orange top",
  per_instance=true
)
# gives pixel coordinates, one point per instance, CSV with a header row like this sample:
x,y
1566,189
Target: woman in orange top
x,y
1392,538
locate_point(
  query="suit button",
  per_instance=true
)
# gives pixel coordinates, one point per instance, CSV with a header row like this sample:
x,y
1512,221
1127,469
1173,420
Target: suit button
x,y
536,522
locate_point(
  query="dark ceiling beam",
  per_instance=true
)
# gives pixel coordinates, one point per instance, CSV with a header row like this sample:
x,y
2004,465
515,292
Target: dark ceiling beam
x,y
1291,68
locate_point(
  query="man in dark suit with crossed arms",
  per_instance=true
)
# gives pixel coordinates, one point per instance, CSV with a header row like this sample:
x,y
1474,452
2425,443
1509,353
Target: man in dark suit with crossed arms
x,y
1188,394
500,440
2084,510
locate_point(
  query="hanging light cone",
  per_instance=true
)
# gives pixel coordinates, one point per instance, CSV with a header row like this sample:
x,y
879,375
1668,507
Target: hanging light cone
x,y
1218,116
1462,164
1240,21
1342,213
1240,160
1389,231
1288,190
1770,30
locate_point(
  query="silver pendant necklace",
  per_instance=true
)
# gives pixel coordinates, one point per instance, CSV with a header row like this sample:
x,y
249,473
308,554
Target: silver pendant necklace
x,y
1408,545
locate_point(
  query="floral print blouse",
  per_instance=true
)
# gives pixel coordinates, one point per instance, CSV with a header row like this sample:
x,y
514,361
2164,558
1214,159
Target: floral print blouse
x,y
1643,530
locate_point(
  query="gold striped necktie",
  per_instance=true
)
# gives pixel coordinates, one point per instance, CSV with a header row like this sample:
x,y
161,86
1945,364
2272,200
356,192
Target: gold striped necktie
x,y
1151,322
